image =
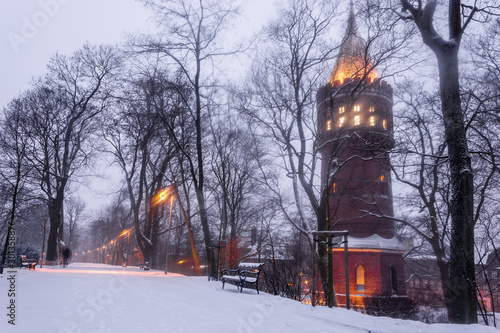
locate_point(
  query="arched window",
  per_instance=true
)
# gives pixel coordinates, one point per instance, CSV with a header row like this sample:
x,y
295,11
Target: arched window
x,y
394,280
360,278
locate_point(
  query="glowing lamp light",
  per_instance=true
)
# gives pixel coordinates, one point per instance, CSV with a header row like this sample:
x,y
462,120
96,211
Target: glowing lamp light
x,y
163,195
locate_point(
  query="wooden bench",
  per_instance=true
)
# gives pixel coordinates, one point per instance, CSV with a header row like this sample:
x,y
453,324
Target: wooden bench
x,y
245,276
27,263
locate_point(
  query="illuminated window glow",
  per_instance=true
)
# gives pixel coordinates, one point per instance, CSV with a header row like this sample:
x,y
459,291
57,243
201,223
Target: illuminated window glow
x,y
360,278
371,108
342,109
384,123
357,120
334,187
382,178
341,121
328,125
372,121
356,108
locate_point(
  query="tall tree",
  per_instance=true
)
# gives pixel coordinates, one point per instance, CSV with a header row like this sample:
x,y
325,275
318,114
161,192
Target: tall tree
x,y
192,43
144,152
14,170
60,120
283,84
460,15
233,185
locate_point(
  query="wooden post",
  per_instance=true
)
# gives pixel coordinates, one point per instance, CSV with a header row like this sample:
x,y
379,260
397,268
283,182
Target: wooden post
x,y
330,272
347,293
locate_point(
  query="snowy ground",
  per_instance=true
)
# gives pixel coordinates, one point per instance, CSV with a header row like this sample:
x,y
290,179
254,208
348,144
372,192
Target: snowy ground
x,y
90,298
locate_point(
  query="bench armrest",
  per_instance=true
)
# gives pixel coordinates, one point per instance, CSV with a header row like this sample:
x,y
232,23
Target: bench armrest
x,y
245,274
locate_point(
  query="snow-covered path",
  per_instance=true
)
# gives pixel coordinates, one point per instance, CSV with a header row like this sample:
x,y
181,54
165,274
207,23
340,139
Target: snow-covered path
x,y
90,298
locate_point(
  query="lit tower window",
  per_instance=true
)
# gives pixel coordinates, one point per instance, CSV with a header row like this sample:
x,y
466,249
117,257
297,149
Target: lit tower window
x,y
341,121
372,121
342,109
356,108
371,108
384,123
357,120
328,125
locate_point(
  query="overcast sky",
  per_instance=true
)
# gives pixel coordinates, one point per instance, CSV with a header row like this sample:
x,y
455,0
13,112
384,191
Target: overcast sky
x,y
31,31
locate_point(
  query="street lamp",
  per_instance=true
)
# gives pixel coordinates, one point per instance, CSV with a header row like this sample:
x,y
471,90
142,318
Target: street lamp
x,y
161,197
169,232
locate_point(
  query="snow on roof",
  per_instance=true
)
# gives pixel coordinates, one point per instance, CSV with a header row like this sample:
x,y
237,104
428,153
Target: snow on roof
x,y
374,242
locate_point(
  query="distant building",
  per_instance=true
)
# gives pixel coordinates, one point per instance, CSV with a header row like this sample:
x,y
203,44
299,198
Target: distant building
x,y
488,281
355,129
423,282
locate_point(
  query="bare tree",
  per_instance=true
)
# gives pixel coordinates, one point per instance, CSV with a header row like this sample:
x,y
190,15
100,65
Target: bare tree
x,y
234,186
284,82
192,44
60,117
460,16
74,214
14,170
142,148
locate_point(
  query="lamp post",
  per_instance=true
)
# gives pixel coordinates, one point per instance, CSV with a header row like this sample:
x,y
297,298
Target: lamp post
x,y
169,232
162,196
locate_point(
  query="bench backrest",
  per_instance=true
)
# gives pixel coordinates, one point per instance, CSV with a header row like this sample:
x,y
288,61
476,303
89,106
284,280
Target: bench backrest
x,y
250,266
23,257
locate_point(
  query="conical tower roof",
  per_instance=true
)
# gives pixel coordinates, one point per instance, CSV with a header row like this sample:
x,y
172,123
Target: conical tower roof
x,y
352,61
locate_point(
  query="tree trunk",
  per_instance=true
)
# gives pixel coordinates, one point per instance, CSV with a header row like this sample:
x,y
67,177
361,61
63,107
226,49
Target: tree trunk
x,y
462,270
55,207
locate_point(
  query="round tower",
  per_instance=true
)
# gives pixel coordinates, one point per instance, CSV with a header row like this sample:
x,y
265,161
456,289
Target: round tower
x,y
355,129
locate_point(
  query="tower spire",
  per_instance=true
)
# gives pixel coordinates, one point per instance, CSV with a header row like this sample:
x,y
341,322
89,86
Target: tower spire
x,y
352,60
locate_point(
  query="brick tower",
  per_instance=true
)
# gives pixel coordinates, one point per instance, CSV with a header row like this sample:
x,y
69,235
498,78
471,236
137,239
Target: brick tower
x,y
355,134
